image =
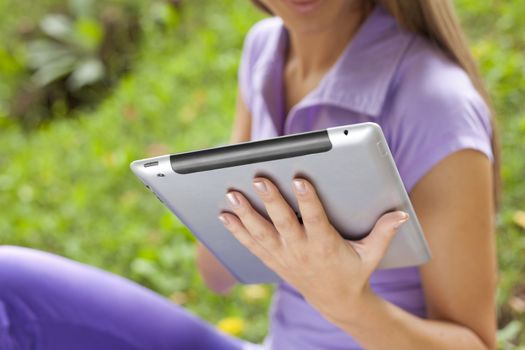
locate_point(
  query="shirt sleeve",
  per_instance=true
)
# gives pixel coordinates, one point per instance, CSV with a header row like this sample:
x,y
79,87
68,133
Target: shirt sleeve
x,y
248,58
435,125
254,44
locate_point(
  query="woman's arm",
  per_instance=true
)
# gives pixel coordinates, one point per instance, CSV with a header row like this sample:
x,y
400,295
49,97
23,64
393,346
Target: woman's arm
x,y
242,124
215,275
454,204
455,207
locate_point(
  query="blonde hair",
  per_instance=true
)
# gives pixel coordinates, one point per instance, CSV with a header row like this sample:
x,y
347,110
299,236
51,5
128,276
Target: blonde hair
x,y
436,20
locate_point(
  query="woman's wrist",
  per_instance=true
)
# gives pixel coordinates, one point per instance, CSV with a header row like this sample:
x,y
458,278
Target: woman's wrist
x,y
359,312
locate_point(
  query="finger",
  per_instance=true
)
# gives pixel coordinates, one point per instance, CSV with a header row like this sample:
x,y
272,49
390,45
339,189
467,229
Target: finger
x,y
237,229
282,215
257,226
374,246
314,217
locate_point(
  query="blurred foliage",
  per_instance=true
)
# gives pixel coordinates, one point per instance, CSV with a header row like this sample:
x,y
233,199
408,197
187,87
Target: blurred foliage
x,y
67,59
496,30
66,186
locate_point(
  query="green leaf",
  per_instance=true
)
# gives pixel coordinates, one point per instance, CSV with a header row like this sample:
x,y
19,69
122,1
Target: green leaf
x,y
88,33
164,13
143,267
8,62
43,52
82,8
509,332
53,71
85,73
57,26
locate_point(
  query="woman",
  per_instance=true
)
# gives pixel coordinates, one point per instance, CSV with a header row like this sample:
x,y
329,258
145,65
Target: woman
x,y
319,63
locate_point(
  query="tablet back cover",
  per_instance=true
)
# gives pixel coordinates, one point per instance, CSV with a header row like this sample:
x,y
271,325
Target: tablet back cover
x,y
350,166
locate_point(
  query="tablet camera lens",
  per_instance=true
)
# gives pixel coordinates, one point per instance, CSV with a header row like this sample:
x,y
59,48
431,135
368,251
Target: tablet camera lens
x,y
346,132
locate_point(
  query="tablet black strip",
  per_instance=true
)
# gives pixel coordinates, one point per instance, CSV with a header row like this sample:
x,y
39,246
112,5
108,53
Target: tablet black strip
x,y
251,152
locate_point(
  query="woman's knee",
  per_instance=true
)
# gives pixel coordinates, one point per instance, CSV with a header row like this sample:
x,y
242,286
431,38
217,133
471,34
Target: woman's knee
x,y
18,269
12,261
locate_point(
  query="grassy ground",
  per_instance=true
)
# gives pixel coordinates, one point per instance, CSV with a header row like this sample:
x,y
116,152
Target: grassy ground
x,y
67,188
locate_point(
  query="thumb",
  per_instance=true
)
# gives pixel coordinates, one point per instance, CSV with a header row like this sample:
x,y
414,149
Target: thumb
x,y
377,242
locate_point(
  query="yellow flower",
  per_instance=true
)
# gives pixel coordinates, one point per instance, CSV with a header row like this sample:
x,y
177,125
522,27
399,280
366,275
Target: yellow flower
x,y
231,325
519,218
254,293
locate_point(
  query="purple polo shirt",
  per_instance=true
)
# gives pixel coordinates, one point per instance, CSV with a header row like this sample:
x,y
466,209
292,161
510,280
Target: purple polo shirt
x,y
425,104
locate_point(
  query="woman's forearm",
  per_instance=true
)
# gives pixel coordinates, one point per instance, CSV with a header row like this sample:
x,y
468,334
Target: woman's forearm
x,y
215,275
379,324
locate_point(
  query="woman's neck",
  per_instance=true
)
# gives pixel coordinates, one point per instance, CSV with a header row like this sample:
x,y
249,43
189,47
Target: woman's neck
x,y
312,53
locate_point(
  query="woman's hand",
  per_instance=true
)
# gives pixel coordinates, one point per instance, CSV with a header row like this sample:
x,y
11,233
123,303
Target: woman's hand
x,y
330,272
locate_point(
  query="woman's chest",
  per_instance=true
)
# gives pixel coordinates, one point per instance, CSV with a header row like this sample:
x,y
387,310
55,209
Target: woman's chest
x,y
297,85
283,102
268,121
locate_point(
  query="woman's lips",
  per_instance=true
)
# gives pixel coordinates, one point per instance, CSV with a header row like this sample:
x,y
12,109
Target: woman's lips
x,y
303,6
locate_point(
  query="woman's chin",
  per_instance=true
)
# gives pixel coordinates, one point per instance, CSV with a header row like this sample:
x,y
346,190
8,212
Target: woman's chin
x,y
303,7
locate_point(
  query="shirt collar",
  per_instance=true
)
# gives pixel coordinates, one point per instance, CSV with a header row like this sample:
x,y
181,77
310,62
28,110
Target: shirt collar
x,y
360,78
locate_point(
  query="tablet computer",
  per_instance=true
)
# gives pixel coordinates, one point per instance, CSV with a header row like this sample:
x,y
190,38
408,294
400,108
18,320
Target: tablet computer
x,y
350,166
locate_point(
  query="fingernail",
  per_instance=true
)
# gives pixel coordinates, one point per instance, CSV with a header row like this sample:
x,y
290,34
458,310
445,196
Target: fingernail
x,y
299,186
260,186
232,198
403,217
224,219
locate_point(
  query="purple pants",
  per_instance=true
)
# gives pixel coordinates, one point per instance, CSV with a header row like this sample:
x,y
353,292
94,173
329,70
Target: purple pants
x,y
52,303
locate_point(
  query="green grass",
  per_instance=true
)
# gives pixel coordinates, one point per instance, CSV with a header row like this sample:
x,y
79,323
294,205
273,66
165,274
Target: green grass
x,y
67,187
